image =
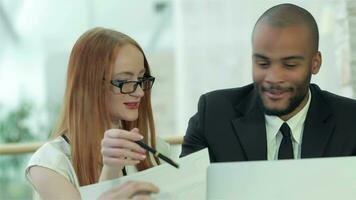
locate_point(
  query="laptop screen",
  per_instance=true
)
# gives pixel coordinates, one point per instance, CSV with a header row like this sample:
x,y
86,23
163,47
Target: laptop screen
x,y
321,178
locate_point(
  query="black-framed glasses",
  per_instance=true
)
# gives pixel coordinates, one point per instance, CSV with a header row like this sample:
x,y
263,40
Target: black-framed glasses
x,y
128,87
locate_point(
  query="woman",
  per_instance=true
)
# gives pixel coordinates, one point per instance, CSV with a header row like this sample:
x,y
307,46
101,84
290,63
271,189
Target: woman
x,y
106,108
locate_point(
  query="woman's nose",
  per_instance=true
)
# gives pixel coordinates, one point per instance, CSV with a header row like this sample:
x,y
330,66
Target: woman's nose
x,y
138,92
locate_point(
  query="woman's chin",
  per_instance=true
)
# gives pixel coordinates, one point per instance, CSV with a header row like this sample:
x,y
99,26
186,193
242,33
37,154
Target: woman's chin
x,y
129,118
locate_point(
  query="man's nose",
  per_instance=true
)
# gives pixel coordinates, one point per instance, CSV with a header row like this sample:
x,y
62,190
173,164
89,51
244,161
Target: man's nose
x,y
275,73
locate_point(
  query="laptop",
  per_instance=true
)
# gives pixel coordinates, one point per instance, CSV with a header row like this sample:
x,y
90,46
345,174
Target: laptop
x,y
314,179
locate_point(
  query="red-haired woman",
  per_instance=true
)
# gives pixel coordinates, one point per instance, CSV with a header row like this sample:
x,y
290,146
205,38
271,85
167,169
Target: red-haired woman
x,y
107,106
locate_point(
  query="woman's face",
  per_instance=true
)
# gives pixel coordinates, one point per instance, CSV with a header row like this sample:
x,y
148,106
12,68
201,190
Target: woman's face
x,y
128,66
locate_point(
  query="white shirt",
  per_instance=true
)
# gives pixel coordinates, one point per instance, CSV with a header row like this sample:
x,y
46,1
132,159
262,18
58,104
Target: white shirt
x,y
56,155
274,136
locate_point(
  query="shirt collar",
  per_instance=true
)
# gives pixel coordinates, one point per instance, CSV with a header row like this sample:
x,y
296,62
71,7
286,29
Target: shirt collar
x,y
274,123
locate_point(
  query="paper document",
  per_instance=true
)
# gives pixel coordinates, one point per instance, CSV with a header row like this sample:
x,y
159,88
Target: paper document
x,y
187,182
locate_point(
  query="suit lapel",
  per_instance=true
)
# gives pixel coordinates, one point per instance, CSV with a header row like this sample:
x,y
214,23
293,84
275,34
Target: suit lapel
x,y
318,127
250,128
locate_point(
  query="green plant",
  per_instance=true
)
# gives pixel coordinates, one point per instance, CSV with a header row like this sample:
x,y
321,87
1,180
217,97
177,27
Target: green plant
x,y
15,128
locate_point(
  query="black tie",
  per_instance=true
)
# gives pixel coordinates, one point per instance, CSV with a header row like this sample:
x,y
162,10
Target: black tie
x,y
286,148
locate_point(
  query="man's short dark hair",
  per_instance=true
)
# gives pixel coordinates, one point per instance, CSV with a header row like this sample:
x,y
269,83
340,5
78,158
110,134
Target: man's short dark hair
x,y
284,15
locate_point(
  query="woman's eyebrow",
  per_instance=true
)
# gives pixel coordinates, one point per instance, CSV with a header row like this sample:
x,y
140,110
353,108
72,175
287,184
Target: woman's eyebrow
x,y
125,73
128,74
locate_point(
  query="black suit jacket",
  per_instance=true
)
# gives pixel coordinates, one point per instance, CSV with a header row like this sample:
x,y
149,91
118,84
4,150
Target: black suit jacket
x,y
232,125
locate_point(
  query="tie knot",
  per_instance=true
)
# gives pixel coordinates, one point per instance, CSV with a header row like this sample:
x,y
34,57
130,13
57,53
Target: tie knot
x,y
285,130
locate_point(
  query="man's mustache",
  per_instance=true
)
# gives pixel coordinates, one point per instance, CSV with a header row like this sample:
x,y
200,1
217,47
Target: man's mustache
x,y
275,88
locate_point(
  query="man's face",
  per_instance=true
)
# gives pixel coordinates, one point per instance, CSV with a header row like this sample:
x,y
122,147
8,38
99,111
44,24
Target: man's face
x,y
283,62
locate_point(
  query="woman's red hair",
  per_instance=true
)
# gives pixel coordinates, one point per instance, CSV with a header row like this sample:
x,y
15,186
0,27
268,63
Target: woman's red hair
x,y
85,115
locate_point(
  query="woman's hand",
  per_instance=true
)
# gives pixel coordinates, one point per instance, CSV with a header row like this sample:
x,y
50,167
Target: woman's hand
x,y
130,190
118,148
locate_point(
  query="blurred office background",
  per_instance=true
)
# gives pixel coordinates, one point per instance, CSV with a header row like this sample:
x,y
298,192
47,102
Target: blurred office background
x,y
193,46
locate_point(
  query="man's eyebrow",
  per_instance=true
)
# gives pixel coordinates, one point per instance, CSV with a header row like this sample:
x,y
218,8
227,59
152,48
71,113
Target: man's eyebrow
x,y
294,58
256,55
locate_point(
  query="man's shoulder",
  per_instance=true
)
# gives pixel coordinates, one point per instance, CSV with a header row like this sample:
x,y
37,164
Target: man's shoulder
x,y
337,101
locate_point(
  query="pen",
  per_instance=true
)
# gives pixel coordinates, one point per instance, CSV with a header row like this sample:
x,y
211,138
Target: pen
x,y
157,154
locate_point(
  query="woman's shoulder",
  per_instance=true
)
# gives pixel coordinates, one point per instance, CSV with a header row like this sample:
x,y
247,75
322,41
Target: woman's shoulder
x,y
53,151
54,155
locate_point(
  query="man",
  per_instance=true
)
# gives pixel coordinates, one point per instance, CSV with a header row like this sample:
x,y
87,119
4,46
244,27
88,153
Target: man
x,y
281,115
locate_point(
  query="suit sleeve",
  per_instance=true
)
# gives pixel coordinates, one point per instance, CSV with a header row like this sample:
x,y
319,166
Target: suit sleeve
x,y
194,139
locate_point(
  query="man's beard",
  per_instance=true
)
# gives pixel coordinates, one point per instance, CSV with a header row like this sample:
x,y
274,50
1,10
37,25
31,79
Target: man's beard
x,y
300,91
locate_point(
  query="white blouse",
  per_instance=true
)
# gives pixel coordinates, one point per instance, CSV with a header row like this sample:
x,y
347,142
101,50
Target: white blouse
x,y
55,155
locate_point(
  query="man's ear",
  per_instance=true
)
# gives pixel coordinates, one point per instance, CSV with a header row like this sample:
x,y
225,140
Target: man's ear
x,y
316,63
